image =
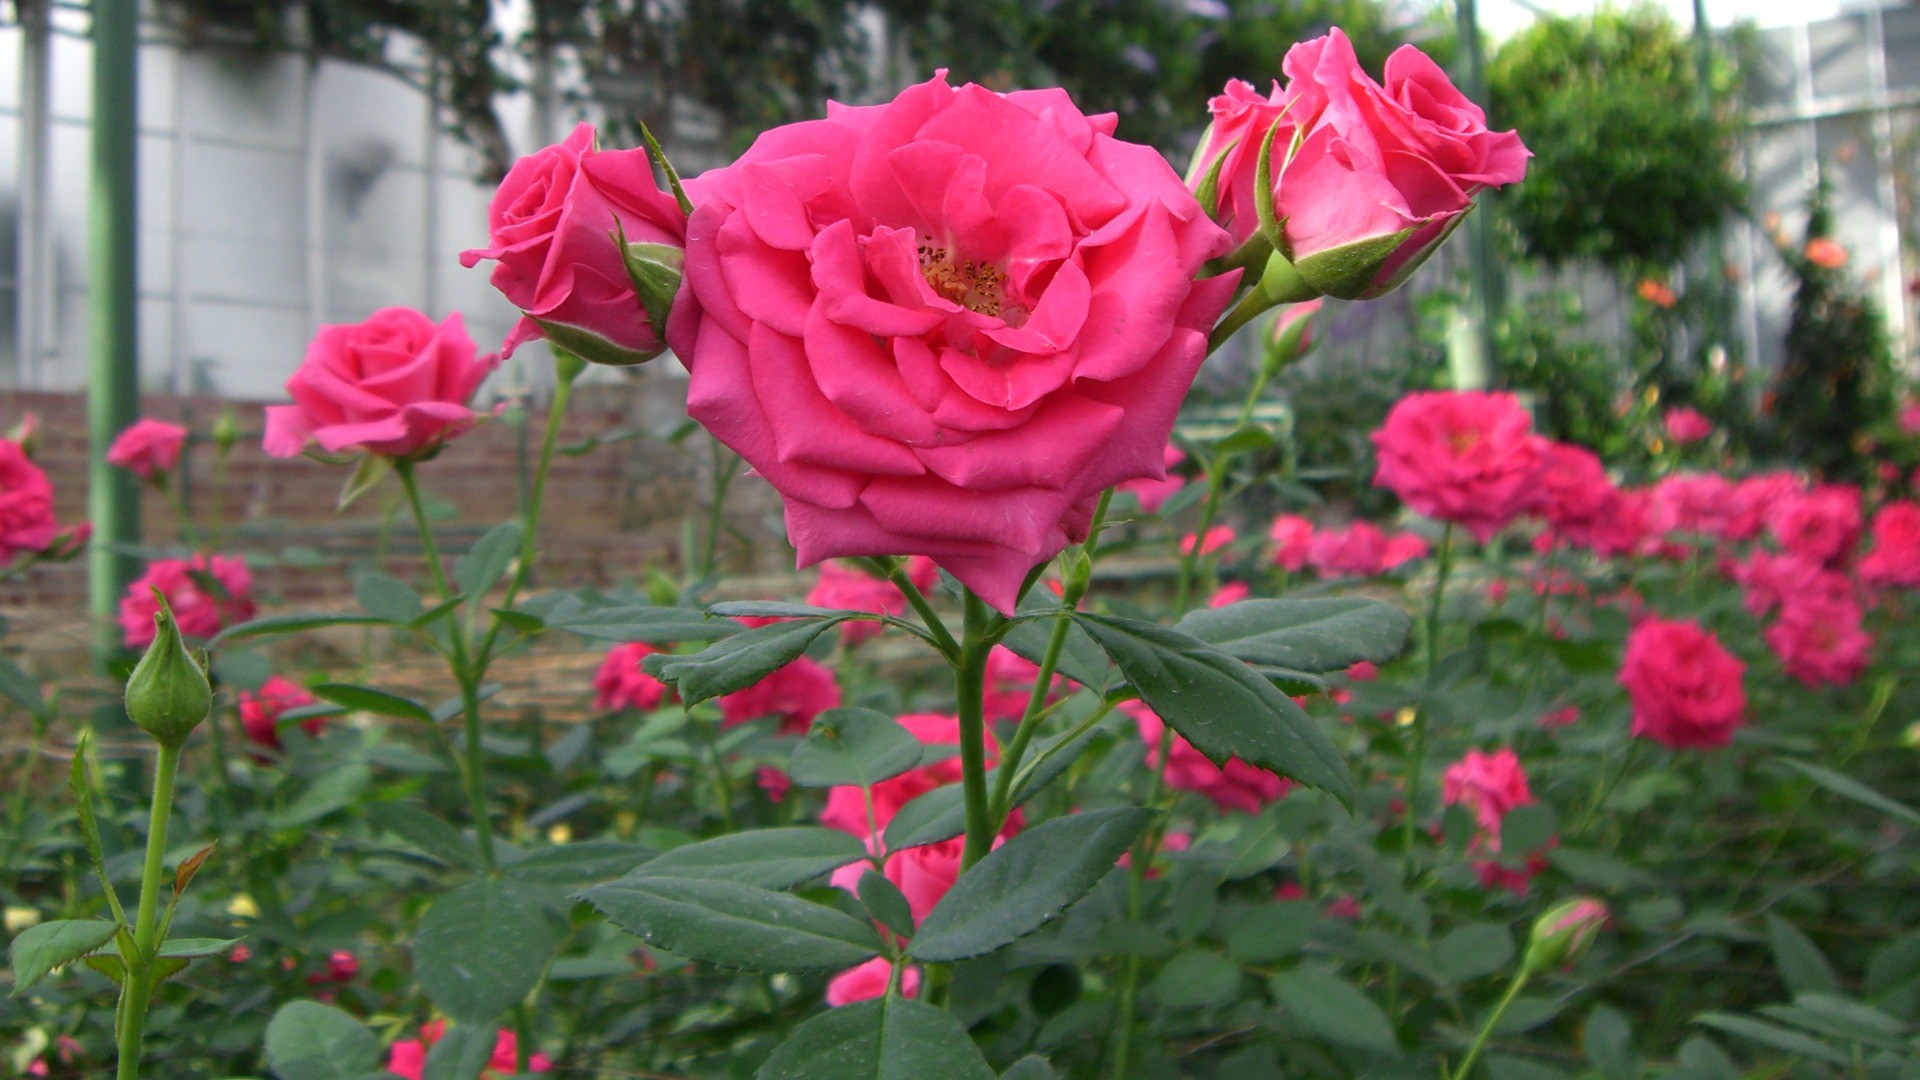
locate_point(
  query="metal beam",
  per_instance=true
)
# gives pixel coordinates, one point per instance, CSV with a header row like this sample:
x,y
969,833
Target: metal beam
x,y
113,499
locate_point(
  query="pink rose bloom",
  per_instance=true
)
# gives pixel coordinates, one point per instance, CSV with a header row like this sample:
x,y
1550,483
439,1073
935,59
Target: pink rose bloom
x,y
1771,580
1686,688
621,684
556,223
848,589
148,448
1704,504
260,710
968,314
1465,456
1895,558
1010,678
869,981
342,967
408,1057
1363,671
199,610
1404,158
1686,425
1820,640
1755,499
1580,500
1234,786
1562,717
1229,594
1241,119
1910,417
1359,550
26,505
1490,785
1292,538
795,693
1403,548
397,385
1217,537
1153,493
1822,524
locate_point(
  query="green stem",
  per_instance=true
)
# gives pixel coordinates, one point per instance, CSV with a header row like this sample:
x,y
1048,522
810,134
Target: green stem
x,y
1216,485
567,368
404,470
942,637
138,989
969,687
1416,759
188,533
476,769
716,511
217,511
1486,1030
1601,794
1143,853
723,784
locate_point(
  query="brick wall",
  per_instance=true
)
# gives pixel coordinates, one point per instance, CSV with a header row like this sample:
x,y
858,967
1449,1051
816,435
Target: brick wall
x,y
611,513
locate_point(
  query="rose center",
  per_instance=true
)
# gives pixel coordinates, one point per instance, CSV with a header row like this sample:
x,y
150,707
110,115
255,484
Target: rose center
x,y
980,287
1463,440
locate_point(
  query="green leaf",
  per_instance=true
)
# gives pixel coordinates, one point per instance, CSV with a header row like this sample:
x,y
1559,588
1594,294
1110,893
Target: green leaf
x,y
271,625
1528,828
1031,1067
650,623
1316,635
1026,882
941,814
1271,932
21,688
886,903
1473,952
1793,1042
734,925
332,790
481,948
859,747
387,598
738,661
463,1053
368,699
1608,1042
40,948
1219,704
581,863
1244,440
1799,960
781,609
1334,1009
1848,788
477,571
195,948
428,833
1843,1019
310,1041
1080,659
766,858
1197,980
889,1038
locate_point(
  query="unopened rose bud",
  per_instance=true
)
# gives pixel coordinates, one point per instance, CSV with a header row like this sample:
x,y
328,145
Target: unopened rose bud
x,y
1291,338
226,431
26,434
1563,934
168,694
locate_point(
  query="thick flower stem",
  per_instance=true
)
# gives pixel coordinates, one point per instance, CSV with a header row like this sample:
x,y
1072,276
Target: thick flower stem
x,y
917,600
137,991
1416,759
1486,1030
969,687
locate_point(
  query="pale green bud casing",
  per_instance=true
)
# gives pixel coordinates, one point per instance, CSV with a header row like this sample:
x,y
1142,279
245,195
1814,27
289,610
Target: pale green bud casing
x,y
168,693
1563,933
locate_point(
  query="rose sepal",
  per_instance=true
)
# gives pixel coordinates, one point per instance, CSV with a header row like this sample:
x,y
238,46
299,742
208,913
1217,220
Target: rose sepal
x,y
655,271
1349,271
592,347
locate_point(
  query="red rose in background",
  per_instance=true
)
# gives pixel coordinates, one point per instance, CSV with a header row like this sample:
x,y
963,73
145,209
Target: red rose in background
x,y
1233,786
260,710
621,684
967,313
206,595
1465,456
26,506
1685,686
148,448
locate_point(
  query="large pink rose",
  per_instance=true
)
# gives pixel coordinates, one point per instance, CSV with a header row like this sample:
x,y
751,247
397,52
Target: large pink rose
x,y
148,448
1465,456
26,505
1895,558
1685,686
397,385
1390,166
556,223
206,595
943,325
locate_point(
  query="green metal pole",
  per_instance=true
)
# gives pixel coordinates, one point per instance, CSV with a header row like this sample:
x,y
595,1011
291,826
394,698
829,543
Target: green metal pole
x,y
113,497
1486,289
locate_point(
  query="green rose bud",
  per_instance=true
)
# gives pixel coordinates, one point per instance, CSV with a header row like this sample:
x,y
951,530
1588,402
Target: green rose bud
x,y
226,431
1563,934
168,694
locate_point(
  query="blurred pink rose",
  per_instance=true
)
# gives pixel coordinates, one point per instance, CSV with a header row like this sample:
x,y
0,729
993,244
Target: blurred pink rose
x,y
846,807
555,224
620,683
206,595
795,693
1910,417
397,385
1292,538
1580,501
1465,456
1231,593
846,588
1217,537
408,1057
1686,688
1010,679
1403,548
1234,786
968,314
1153,494
26,505
1771,580
1822,524
1686,425
1490,785
260,710
148,448
1895,558
1359,550
1820,640
868,981
1565,716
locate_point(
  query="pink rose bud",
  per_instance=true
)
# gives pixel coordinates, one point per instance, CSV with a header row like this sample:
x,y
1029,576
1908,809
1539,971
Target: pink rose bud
x,y
1291,338
1686,425
945,324
1563,934
27,432
588,248
397,385
149,449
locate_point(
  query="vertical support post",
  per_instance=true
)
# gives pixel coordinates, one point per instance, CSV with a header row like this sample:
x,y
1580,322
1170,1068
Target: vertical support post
x,y
30,260
113,501
1485,287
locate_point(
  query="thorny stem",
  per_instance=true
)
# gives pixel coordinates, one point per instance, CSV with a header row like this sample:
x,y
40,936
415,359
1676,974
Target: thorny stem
x,y
1216,484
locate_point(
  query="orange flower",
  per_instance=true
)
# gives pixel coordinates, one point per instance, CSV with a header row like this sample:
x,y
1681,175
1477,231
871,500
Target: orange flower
x,y
1657,294
1826,254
